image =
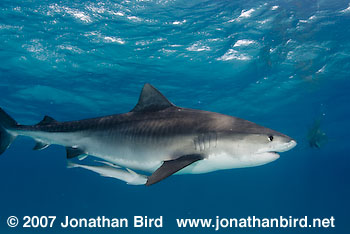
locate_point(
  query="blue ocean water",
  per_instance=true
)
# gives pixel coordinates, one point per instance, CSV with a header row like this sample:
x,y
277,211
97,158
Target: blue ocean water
x,y
281,64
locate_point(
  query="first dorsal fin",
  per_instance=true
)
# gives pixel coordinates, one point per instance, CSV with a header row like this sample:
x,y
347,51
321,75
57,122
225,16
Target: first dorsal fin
x,y
47,120
151,100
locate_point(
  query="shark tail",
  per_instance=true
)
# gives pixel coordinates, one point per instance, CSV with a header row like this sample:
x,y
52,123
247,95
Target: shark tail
x,y
6,137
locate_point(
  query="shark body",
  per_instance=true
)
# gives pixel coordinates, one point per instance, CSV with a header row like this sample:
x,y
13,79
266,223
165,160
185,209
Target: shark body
x,y
156,137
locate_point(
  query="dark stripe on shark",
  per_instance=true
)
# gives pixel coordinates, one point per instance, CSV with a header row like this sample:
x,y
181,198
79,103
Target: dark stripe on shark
x,y
169,122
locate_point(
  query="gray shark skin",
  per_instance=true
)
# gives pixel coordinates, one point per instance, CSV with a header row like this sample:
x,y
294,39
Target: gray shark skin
x,y
155,137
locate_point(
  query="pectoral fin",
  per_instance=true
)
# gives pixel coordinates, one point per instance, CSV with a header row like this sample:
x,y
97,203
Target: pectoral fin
x,y
172,166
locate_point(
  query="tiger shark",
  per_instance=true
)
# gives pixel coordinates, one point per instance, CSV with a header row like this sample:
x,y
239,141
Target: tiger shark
x,y
156,138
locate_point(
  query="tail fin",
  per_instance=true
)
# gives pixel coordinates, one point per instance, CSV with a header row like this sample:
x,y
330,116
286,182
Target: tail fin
x,y
6,138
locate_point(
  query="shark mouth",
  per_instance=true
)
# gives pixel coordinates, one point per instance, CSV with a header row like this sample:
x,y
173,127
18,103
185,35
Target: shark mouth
x,y
274,154
282,148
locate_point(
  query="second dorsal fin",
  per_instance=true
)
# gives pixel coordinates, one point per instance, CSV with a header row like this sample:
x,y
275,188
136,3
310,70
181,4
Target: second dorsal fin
x,y
151,100
47,120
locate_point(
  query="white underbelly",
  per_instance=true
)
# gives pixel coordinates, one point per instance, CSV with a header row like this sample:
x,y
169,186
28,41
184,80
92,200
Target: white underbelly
x,y
223,161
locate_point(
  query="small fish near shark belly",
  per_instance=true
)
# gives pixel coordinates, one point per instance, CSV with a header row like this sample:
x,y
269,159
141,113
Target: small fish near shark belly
x,y
113,171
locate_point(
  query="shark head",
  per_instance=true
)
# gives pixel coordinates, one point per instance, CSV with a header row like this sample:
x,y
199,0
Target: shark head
x,y
270,141
253,144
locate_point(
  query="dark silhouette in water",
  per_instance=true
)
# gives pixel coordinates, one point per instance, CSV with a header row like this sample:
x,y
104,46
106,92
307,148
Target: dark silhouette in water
x,y
316,137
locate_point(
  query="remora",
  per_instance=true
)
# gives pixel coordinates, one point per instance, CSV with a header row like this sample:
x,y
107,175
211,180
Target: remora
x,y
155,137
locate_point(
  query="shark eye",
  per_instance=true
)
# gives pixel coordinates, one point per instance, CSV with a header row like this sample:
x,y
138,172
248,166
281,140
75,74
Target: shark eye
x,y
270,138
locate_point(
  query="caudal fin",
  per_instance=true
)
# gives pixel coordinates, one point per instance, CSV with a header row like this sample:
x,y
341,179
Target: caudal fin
x,y
6,123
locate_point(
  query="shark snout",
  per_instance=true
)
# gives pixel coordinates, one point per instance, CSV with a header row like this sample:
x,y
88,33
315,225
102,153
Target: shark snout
x,y
287,146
